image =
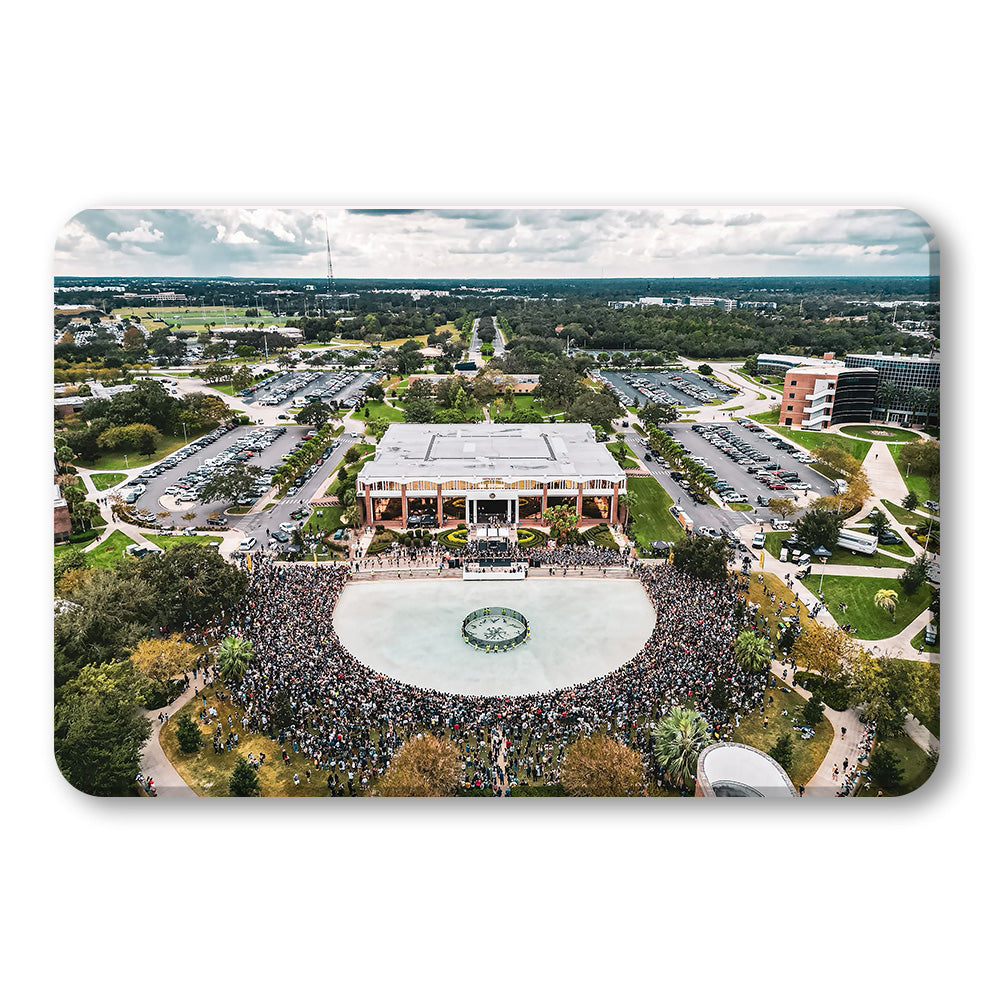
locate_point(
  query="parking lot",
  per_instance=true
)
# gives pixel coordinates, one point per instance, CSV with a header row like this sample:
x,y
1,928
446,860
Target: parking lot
x,y
172,485
681,387
739,477
299,388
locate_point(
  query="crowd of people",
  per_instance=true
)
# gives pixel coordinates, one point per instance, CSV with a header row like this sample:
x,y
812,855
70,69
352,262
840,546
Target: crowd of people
x,y
306,689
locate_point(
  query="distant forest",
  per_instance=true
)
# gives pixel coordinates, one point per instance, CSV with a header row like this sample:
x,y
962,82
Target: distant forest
x,y
811,316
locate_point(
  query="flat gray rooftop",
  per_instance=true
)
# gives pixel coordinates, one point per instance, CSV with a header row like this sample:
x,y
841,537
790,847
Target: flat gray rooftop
x,y
505,451
412,630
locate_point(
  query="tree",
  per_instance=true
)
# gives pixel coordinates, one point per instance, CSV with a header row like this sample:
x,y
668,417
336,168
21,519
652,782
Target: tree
x,y
837,458
752,652
192,583
822,650
161,659
783,507
215,372
287,361
242,377
782,750
201,411
627,502
376,427
599,408
425,765
914,575
230,483
885,768
601,766
701,557
243,781
889,689
818,527
562,519
910,501
886,600
316,414
812,712
137,437
678,738
99,731
188,734
705,369
878,520
233,655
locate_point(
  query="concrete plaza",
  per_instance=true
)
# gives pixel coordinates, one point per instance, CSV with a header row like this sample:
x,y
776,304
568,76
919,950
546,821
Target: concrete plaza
x,y
411,630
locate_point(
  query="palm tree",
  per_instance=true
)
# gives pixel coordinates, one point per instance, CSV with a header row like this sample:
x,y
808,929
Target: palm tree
x,y
678,739
233,655
626,501
752,652
886,600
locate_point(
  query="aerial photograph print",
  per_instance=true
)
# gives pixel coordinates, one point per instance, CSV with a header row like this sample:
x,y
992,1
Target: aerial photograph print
x,y
356,502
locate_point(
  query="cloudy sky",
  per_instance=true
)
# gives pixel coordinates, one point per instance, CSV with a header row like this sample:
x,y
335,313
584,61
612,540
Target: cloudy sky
x,y
496,242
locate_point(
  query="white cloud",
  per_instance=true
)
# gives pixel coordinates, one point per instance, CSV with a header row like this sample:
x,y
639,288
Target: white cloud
x,y
143,233
234,238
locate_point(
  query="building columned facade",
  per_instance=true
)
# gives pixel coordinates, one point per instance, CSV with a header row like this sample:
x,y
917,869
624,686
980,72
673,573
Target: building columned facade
x,y
488,474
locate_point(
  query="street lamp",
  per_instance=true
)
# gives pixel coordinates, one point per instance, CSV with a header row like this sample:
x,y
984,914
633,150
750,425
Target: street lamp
x,y
185,426
126,461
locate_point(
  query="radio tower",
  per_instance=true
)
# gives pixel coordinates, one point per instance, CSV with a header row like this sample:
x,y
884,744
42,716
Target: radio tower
x,y
329,262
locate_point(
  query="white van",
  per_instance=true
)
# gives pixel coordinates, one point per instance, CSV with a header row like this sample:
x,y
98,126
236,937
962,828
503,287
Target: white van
x,y
247,544
839,486
780,525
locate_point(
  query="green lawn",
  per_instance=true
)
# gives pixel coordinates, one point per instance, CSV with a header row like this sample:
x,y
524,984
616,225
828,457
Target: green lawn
x,y
840,557
628,463
873,433
811,440
526,403
915,763
807,755
108,553
904,516
651,514
858,594
324,520
767,416
172,541
384,411
102,480
117,459
918,484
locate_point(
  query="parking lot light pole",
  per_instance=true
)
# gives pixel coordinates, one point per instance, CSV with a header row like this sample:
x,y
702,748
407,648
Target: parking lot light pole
x,y
126,461
185,426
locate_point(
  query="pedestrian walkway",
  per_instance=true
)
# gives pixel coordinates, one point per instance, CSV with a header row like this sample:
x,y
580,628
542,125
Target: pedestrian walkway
x,y
824,783
167,782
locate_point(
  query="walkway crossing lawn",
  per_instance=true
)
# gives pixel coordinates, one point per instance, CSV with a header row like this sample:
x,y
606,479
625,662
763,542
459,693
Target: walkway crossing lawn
x,y
916,766
102,480
172,541
116,459
628,463
108,553
651,513
858,593
872,433
807,755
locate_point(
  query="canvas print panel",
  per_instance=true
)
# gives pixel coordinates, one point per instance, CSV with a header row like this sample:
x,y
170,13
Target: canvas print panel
x,y
497,502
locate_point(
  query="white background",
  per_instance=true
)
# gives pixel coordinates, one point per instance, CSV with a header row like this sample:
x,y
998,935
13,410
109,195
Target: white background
x,y
858,104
